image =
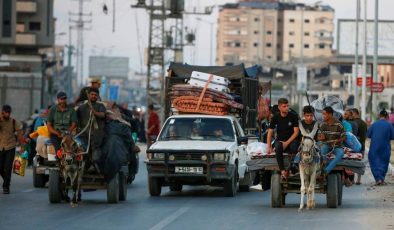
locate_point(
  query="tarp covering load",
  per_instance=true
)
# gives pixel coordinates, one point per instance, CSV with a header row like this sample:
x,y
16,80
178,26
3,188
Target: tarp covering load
x,y
205,93
333,101
116,148
118,143
231,72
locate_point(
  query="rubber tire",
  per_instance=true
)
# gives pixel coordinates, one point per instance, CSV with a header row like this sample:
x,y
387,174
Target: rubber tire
x,y
332,190
248,177
340,189
54,191
113,190
176,187
154,186
276,191
39,180
122,186
230,186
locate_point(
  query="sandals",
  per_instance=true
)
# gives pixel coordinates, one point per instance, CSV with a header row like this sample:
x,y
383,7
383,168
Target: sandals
x,y
380,182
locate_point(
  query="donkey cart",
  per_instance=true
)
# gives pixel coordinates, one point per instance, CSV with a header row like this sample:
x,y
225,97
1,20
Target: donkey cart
x,y
116,187
331,184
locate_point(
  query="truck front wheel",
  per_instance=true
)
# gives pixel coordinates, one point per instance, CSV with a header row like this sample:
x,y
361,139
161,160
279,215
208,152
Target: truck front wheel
x,y
154,186
230,186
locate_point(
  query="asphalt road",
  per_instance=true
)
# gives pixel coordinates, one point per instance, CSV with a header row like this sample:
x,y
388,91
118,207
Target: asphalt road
x,y
194,208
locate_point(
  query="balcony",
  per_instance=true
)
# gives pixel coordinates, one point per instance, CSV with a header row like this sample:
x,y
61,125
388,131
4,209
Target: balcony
x,y
26,7
25,39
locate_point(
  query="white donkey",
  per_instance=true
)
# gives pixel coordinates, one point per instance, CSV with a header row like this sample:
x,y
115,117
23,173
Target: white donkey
x,y
309,164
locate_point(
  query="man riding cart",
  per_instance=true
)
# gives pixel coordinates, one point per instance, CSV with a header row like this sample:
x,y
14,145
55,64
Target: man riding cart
x,y
331,172
95,158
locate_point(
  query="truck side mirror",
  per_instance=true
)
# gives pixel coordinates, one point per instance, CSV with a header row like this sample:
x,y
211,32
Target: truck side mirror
x,y
242,140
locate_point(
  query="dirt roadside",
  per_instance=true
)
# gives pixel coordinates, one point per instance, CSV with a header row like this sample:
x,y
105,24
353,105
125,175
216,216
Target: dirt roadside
x,y
382,199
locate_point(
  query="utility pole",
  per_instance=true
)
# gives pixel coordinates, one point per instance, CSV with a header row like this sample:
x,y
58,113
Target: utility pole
x,y
356,61
364,78
159,12
376,78
80,26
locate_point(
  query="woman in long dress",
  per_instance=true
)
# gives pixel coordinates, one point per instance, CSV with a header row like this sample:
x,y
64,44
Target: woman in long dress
x,y
381,133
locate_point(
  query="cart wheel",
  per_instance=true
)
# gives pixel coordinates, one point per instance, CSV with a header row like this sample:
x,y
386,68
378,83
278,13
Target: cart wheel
x,y
340,189
113,190
176,187
276,191
332,191
154,186
246,182
230,186
122,186
54,187
38,179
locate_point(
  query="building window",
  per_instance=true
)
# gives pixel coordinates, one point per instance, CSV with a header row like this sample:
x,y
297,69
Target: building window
x,y
256,19
306,34
321,34
256,32
306,46
255,44
269,57
237,44
279,33
268,45
291,45
321,46
279,20
237,19
291,20
322,21
291,33
306,21
34,26
278,46
269,32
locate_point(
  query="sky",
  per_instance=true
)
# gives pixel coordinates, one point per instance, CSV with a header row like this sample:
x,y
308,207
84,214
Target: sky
x,y
131,27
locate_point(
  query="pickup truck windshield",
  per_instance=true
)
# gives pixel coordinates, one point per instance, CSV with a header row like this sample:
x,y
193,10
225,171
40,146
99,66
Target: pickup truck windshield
x,y
203,129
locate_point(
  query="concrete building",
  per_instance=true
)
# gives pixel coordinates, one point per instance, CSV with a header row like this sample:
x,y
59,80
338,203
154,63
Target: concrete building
x,y
270,32
25,27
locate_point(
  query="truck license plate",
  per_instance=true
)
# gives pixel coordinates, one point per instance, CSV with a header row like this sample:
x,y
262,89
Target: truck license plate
x,y
193,170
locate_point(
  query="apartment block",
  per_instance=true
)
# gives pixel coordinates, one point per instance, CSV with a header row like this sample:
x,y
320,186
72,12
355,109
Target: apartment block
x,y
259,32
26,26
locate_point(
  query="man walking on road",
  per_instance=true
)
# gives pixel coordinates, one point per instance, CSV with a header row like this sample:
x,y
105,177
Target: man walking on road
x,y
9,127
153,125
286,125
361,135
381,133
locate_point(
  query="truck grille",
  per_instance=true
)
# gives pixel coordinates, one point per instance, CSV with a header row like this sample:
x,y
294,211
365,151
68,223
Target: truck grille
x,y
187,156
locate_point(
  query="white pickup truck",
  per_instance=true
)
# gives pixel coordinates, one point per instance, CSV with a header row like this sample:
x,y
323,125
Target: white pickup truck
x,y
199,150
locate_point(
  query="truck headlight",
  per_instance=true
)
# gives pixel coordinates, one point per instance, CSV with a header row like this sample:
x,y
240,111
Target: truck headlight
x,y
219,156
158,156
171,157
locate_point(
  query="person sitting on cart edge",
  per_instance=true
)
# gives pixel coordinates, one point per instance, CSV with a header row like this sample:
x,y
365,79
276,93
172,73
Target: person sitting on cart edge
x,y
83,95
331,134
61,118
96,132
308,124
287,130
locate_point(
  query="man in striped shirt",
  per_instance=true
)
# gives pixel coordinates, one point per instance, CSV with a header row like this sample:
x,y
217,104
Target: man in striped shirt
x,y
332,135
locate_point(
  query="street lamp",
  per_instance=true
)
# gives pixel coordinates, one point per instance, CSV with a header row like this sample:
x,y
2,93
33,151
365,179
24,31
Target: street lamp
x,y
211,42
